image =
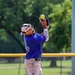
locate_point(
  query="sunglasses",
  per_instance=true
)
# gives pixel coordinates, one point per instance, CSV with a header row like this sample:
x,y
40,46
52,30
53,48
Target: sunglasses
x,y
29,27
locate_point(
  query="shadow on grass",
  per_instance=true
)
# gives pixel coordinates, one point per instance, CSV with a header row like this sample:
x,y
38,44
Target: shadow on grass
x,y
56,67
67,73
59,67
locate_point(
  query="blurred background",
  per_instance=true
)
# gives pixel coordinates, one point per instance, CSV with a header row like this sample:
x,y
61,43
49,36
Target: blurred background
x,y
14,13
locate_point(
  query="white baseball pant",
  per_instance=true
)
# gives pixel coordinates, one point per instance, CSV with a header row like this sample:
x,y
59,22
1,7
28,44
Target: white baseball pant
x,y
33,67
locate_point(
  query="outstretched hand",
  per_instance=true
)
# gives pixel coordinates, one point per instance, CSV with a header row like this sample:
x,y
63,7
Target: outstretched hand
x,y
45,23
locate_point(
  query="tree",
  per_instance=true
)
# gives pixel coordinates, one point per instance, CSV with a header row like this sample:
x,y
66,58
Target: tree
x,y
61,26
13,13
10,18
60,31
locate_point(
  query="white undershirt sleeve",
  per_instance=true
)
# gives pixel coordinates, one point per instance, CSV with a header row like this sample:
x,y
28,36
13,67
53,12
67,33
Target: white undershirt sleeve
x,y
46,34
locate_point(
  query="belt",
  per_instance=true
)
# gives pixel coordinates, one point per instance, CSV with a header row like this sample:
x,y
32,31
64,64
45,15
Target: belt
x,y
37,59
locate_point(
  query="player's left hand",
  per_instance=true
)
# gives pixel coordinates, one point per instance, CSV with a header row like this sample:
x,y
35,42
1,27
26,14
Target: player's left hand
x,y
45,23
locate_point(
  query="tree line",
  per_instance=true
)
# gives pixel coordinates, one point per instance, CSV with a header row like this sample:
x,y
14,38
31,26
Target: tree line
x,y
14,13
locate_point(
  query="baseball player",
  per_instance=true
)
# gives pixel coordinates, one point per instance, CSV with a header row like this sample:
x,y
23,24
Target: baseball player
x,y
33,45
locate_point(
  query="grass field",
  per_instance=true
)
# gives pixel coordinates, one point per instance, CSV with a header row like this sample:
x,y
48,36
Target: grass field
x,y
12,69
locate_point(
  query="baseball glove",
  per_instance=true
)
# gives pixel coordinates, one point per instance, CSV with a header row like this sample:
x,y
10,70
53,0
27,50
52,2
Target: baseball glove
x,y
44,21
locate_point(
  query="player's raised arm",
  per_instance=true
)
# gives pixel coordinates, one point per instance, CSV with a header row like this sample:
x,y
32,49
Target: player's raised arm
x,y
45,24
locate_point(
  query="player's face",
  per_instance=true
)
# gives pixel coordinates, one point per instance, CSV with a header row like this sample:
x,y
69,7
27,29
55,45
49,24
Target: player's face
x,y
29,32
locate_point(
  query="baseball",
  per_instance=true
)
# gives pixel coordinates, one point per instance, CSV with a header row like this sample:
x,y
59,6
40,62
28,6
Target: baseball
x,y
42,16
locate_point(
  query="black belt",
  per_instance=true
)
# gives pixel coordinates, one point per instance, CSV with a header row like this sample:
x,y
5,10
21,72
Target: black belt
x,y
37,59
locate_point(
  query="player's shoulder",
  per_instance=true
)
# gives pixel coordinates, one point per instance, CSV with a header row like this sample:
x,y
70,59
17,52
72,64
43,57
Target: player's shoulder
x,y
37,35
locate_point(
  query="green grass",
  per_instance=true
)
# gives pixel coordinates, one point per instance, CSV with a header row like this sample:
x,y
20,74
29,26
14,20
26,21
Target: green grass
x,y
66,68
12,69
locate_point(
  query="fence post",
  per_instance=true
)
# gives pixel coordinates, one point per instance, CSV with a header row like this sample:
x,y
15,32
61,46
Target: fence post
x,y
60,65
19,66
73,36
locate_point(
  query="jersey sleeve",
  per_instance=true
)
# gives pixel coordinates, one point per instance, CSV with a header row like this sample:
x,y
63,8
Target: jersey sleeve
x,y
40,38
36,38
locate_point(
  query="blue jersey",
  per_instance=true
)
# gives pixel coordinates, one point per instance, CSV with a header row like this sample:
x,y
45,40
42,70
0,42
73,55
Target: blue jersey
x,y
33,45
